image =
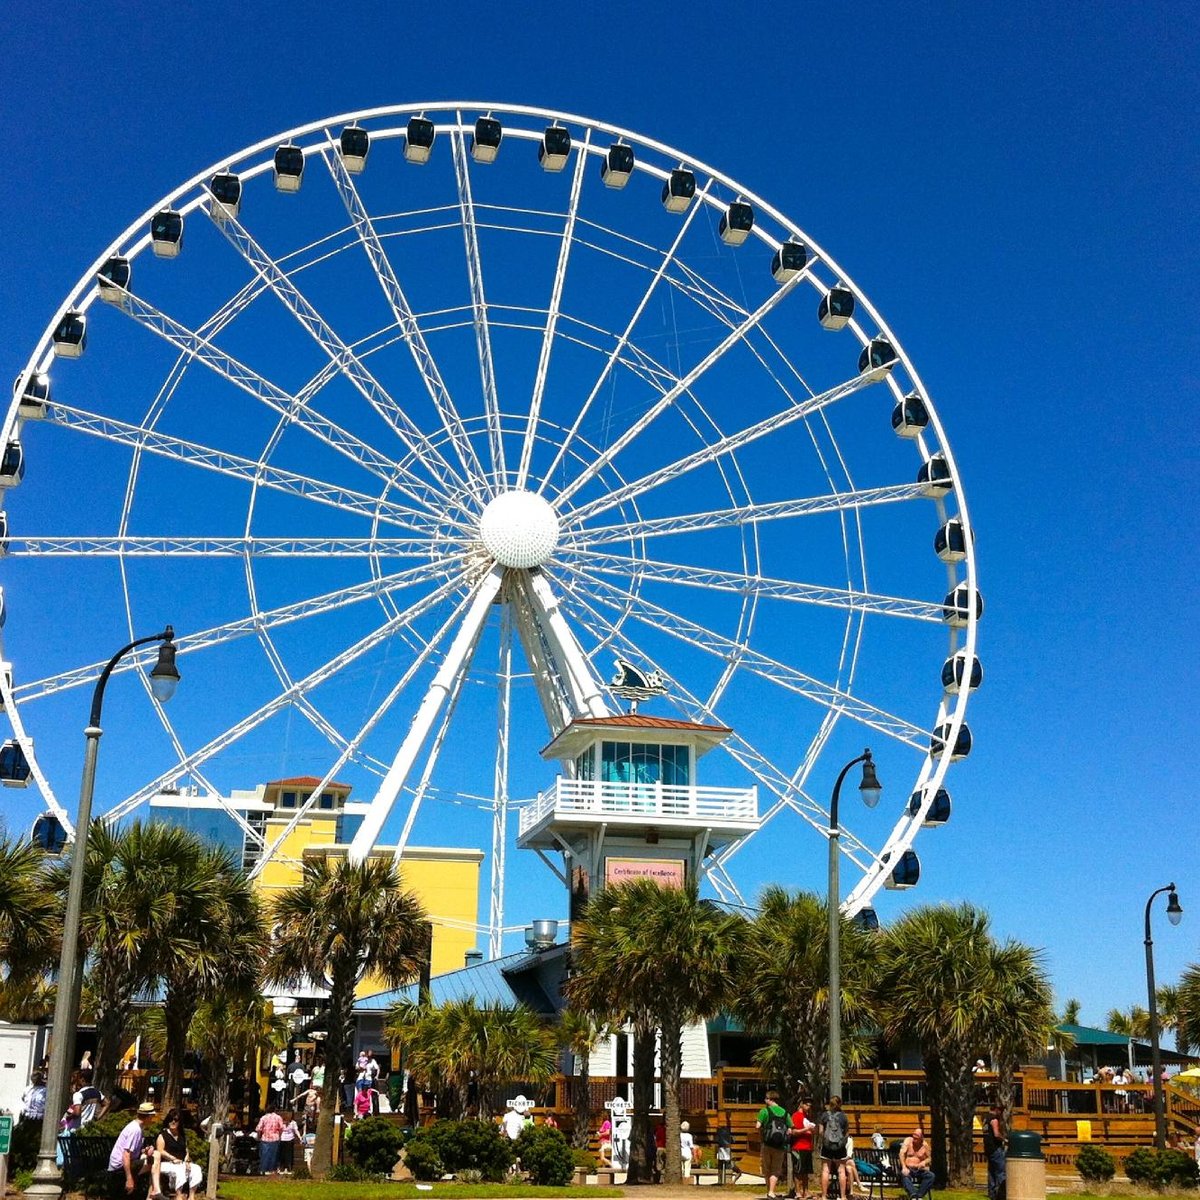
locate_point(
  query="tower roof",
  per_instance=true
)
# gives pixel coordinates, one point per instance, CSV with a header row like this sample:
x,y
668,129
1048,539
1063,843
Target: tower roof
x,y
584,730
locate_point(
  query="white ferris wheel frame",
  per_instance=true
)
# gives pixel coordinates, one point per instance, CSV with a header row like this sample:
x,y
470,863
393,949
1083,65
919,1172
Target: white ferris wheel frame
x,y
453,462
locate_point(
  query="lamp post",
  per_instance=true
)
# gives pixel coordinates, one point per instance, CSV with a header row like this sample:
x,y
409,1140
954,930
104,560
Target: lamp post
x,y
870,790
47,1178
1174,913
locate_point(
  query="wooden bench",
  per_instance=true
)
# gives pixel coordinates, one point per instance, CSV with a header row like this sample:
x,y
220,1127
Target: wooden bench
x,y
706,1172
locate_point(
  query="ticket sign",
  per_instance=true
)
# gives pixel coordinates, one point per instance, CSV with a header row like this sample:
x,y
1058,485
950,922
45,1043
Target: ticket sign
x,y
6,1124
667,872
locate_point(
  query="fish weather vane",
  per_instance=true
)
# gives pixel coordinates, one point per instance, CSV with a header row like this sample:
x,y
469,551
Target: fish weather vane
x,y
635,685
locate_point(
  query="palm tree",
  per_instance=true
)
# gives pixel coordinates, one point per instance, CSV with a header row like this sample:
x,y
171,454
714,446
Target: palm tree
x,y
231,1026
935,987
30,913
130,881
784,989
1187,1010
1023,1020
663,958
210,937
1070,1012
578,1032
343,922
453,1044
1133,1024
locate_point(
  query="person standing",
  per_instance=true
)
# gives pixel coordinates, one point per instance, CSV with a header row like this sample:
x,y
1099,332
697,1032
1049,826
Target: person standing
x,y
993,1149
512,1123
802,1149
774,1132
687,1148
915,1175
33,1098
287,1143
126,1159
269,1129
89,1099
835,1129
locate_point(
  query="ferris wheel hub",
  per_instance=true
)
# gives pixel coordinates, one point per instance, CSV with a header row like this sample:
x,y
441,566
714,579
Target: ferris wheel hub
x,y
519,529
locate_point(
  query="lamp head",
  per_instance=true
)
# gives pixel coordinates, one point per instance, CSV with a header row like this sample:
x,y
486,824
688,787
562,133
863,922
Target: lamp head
x,y
870,789
164,678
1174,908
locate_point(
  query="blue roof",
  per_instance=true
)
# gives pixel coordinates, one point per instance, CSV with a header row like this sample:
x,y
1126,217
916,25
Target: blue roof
x,y
484,982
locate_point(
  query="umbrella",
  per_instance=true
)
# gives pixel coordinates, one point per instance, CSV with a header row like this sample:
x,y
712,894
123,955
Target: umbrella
x,y
1192,1073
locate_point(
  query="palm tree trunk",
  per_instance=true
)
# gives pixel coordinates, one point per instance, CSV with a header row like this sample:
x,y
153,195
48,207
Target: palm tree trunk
x,y
581,1135
111,1019
672,1069
1006,1086
341,1003
936,1095
959,1086
178,1011
641,1144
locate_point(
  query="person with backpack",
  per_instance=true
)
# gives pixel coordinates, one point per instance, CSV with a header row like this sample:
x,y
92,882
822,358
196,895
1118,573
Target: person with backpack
x,y
775,1134
835,1130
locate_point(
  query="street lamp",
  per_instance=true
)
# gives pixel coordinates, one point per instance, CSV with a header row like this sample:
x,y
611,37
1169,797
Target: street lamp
x,y
1174,915
870,790
47,1178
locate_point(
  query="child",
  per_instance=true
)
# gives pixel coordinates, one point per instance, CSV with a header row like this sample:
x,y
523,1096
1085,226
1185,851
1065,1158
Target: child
x,y
287,1143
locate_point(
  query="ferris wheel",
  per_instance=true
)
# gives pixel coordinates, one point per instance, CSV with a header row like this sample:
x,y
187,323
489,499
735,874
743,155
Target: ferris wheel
x,y
413,419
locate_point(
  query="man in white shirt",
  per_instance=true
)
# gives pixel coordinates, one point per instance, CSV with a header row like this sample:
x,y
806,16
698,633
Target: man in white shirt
x,y
512,1123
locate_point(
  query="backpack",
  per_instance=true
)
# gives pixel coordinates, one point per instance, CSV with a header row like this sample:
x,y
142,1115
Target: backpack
x,y
778,1130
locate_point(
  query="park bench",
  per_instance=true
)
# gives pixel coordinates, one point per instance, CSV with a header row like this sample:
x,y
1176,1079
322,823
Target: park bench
x,y
84,1156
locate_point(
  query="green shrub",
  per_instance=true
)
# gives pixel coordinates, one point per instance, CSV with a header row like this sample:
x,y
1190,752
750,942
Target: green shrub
x,y
545,1156
470,1175
22,1180
300,1170
26,1138
1095,1164
461,1145
422,1159
585,1160
1141,1165
349,1173
1176,1169
373,1144
1165,1168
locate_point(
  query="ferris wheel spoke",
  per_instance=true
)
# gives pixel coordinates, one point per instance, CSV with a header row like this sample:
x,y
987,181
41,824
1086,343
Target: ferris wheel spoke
x,y
741,583
224,462
745,514
657,617
140,660
788,793
723,446
30,546
733,338
560,274
294,408
619,348
483,336
354,745
283,699
406,321
338,352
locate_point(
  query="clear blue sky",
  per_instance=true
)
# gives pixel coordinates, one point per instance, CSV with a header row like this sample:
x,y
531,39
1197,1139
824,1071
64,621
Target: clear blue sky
x,y
1013,186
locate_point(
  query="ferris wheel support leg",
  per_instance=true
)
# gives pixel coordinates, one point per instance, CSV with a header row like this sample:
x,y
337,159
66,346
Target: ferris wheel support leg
x,y
456,660
587,696
500,794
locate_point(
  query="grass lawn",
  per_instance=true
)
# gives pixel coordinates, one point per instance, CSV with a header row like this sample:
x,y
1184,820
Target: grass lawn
x,y
307,1189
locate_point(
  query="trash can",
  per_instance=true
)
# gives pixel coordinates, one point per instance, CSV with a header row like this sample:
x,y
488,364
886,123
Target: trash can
x,y
1025,1166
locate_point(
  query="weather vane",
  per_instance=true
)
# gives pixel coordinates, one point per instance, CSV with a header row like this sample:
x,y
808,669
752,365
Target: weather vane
x,y
635,685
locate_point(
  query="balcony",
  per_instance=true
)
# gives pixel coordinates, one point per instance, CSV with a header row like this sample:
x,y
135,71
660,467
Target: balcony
x,y
729,813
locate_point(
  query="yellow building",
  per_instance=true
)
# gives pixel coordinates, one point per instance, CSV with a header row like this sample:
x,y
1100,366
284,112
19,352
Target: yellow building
x,y
444,879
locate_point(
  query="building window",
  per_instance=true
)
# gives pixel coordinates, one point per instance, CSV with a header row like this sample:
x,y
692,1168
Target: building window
x,y
637,762
585,765
287,800
327,800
